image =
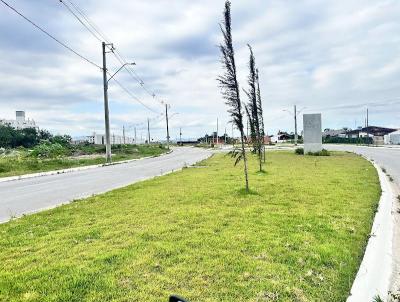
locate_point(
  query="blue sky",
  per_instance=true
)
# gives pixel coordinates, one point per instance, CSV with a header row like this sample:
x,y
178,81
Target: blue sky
x,y
333,57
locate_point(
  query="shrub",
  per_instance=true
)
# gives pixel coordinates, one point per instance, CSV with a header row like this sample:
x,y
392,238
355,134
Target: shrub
x,y
299,151
323,152
47,150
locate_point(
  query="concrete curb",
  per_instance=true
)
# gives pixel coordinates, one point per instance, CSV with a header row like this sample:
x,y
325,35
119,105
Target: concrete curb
x,y
84,196
374,275
47,173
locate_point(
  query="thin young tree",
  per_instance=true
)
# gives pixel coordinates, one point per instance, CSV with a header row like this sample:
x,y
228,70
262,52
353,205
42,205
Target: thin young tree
x,y
253,105
260,112
250,121
230,87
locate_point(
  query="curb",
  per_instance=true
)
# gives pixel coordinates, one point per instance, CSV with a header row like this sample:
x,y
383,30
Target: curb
x,y
374,275
84,196
63,171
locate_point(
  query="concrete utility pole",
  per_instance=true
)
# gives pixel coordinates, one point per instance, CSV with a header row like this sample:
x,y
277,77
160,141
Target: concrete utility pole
x,y
217,132
106,109
295,114
166,117
225,136
135,136
367,124
295,126
123,133
148,131
233,141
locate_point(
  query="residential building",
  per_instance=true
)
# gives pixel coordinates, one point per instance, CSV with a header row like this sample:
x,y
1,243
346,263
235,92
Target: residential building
x,y
376,133
20,122
335,133
100,139
392,138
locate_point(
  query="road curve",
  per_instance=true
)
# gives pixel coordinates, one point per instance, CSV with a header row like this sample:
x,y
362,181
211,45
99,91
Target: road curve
x,y
388,158
34,194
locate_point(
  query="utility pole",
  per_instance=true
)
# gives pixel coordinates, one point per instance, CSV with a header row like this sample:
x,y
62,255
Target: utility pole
x,y
166,117
148,131
367,124
225,136
295,126
123,133
217,132
135,136
180,136
106,109
233,140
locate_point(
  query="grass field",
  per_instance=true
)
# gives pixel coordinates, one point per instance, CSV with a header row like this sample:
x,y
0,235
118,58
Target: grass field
x,y
19,165
299,236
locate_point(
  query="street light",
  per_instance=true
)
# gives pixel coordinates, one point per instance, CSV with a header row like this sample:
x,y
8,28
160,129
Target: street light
x,y
106,108
120,70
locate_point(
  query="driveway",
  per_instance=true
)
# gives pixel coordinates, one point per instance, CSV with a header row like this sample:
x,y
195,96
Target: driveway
x,y
34,194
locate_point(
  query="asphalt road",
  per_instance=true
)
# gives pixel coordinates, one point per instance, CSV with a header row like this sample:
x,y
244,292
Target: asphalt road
x,y
388,158
34,194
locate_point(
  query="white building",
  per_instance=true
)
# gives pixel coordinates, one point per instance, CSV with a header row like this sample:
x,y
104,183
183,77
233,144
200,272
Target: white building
x,y
393,138
20,122
100,139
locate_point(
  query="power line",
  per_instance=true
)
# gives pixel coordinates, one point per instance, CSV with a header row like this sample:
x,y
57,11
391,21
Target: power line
x,y
80,21
133,96
50,35
91,24
96,32
115,52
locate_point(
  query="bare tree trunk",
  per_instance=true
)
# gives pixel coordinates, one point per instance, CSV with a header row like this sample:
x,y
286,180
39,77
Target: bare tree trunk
x,y
245,161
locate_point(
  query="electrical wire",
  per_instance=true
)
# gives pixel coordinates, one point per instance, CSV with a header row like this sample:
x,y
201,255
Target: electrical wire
x,y
115,52
80,21
50,35
96,32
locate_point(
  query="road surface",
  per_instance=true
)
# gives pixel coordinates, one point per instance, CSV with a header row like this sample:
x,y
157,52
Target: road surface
x,y
388,158
34,194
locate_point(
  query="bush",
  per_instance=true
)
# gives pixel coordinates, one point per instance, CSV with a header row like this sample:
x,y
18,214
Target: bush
x,y
47,150
323,152
299,151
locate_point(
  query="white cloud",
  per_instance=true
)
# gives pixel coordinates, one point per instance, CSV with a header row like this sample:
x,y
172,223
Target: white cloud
x,y
324,55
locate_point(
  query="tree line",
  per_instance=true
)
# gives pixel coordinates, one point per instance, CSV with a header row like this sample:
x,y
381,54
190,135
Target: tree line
x,y
29,137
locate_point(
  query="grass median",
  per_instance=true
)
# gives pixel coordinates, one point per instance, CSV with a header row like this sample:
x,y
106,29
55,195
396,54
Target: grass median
x,y
298,236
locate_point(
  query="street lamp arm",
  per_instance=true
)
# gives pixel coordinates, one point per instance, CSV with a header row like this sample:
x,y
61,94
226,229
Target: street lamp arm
x,y
120,70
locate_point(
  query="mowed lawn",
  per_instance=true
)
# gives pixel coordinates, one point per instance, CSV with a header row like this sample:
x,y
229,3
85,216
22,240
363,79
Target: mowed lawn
x,y
299,236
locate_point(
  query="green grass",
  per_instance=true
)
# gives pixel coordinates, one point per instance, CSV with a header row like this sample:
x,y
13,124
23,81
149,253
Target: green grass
x,y
298,236
25,164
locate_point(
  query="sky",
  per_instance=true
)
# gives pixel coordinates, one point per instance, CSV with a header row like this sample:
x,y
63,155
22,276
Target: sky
x,y
332,57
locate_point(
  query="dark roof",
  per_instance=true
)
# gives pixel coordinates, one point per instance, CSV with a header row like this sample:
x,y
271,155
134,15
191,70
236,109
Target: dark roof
x,y
374,130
